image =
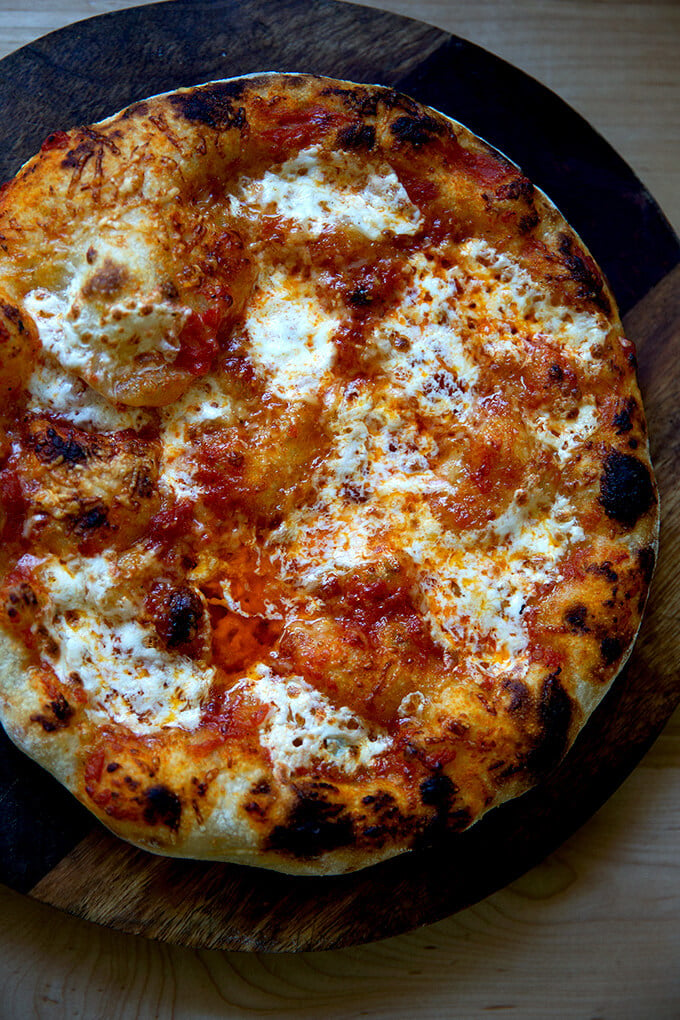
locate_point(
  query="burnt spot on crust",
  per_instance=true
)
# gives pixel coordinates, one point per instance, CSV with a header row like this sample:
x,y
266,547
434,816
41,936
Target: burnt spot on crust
x,y
440,792
519,695
518,188
136,110
527,223
623,419
315,825
356,136
57,715
360,100
417,130
519,191
384,821
554,716
626,488
575,618
53,448
259,802
162,807
212,105
584,272
604,570
611,650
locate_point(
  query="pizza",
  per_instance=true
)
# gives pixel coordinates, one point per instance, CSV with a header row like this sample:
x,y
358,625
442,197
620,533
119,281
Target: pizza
x,y
327,509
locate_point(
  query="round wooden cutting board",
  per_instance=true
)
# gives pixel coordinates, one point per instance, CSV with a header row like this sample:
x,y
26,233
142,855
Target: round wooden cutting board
x,y
50,847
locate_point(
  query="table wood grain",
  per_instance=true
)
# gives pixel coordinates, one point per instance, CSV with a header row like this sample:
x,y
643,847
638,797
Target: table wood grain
x,y
595,930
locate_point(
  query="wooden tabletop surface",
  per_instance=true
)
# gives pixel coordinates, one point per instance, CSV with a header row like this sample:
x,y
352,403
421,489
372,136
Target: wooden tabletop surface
x,y
595,930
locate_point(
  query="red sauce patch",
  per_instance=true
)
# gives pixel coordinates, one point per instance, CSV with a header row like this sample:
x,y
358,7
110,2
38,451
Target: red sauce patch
x,y
240,641
13,503
93,769
197,343
57,140
236,715
487,169
172,521
298,129
421,190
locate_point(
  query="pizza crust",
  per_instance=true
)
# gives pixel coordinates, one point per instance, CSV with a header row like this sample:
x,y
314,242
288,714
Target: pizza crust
x,y
259,733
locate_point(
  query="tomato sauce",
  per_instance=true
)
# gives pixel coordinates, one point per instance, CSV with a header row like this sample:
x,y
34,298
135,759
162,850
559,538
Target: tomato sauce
x,y
56,140
298,129
13,503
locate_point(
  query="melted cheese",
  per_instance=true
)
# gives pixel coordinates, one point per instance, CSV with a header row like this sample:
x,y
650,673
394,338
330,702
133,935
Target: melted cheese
x,y
290,336
302,728
328,190
95,342
566,436
504,291
422,342
53,390
128,678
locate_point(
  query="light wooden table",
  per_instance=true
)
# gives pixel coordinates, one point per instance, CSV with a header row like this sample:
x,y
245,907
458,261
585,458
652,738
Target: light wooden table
x,y
595,930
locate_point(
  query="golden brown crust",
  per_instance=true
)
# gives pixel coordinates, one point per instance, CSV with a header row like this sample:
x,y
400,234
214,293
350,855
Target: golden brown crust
x,y
181,545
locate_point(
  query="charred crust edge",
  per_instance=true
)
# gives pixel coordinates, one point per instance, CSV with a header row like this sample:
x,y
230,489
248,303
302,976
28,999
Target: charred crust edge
x,y
647,561
440,792
611,649
416,130
315,825
555,712
212,105
356,136
163,807
585,273
626,488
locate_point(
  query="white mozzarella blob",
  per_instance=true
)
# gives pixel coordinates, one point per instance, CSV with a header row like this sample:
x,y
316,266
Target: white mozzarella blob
x,y
422,341
566,436
290,336
53,390
128,679
504,290
326,190
303,728
94,342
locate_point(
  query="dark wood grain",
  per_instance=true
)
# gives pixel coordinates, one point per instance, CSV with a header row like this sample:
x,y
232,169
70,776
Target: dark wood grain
x,y
88,70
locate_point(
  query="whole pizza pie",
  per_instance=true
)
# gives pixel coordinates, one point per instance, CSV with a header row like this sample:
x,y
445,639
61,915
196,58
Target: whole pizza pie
x,y
326,503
